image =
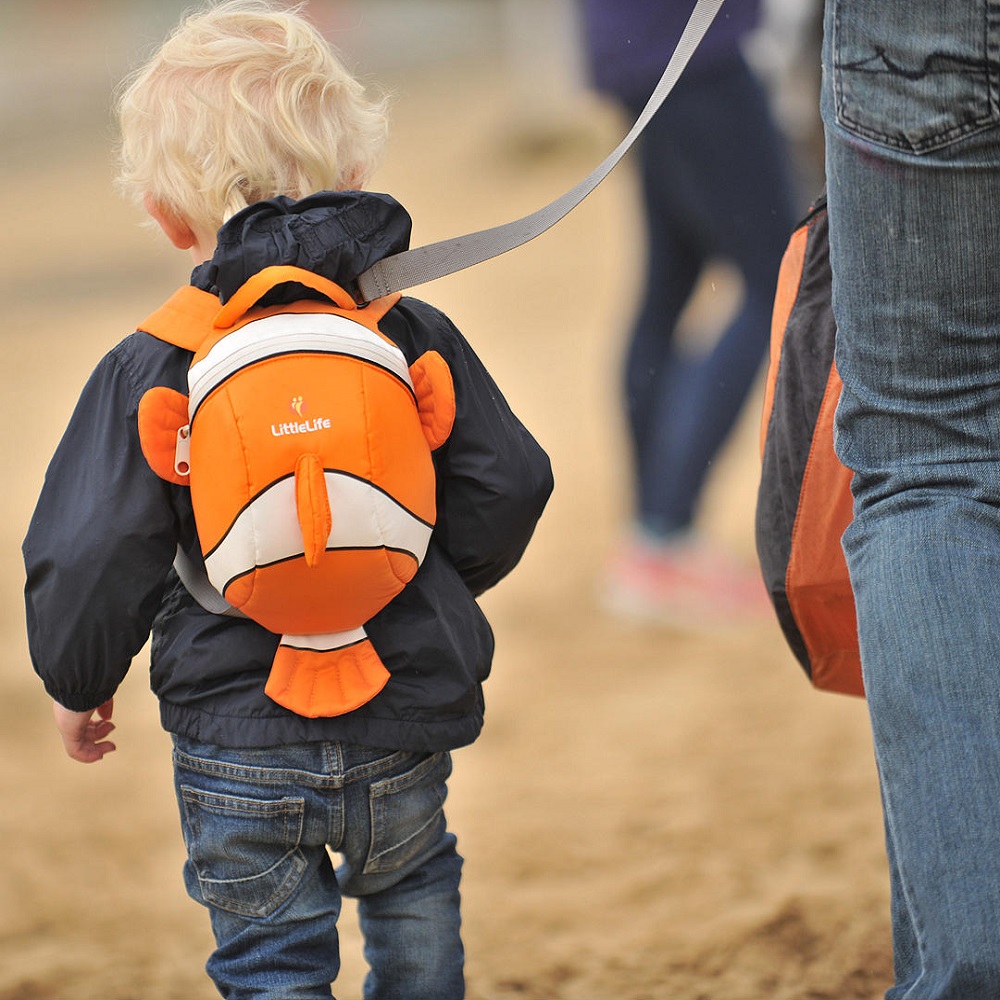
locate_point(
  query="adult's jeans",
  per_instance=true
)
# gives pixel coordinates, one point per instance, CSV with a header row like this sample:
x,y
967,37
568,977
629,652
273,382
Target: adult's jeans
x,y
911,105
716,187
258,824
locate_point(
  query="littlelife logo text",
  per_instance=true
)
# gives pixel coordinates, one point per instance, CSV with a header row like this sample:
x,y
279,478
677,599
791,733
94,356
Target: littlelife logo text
x,y
302,427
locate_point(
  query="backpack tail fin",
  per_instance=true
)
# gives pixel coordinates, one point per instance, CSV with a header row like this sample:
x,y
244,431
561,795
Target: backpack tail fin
x,y
315,682
313,506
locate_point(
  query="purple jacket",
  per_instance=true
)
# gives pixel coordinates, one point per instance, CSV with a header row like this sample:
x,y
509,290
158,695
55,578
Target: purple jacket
x,y
629,42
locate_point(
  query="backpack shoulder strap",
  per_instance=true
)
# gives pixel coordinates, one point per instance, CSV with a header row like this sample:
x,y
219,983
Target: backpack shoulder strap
x,y
184,320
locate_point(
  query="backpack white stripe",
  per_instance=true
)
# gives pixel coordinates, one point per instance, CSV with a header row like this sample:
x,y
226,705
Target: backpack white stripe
x,y
267,530
284,332
326,641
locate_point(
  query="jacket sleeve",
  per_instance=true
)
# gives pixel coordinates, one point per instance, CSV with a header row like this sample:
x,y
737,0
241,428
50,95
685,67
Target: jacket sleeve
x,y
494,479
98,547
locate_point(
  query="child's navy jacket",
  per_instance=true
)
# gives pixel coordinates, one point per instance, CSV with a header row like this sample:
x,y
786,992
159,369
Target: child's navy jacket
x,y
100,547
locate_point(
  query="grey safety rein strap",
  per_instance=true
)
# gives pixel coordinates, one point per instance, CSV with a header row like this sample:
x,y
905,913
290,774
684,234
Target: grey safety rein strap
x,y
435,260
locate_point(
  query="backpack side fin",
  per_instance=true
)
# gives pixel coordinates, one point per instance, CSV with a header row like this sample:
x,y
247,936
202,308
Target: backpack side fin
x,y
435,391
163,424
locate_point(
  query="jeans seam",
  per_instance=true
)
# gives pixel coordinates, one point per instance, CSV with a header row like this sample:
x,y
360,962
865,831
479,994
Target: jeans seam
x,y
912,910
363,772
251,774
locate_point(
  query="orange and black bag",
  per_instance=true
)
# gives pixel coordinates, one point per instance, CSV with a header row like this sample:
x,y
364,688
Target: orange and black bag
x,y
306,442
804,501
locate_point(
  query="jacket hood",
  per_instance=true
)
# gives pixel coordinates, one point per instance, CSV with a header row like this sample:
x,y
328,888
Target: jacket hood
x,y
338,234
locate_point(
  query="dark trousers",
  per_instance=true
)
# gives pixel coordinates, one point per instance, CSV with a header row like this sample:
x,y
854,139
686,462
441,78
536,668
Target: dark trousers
x,y
716,188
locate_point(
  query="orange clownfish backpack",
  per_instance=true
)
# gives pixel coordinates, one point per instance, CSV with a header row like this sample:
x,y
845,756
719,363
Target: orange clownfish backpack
x,y
804,501
306,442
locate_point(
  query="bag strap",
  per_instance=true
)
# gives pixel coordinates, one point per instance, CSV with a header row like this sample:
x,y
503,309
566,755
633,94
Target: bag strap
x,y
435,260
196,582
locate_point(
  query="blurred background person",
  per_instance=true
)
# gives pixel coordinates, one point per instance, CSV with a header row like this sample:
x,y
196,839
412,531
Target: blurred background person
x,y
716,187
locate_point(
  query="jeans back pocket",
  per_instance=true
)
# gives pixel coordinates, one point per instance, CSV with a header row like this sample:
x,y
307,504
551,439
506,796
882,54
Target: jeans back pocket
x,y
407,814
245,852
913,75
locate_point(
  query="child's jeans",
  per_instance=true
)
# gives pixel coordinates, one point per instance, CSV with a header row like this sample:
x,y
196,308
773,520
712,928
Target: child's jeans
x,y
258,824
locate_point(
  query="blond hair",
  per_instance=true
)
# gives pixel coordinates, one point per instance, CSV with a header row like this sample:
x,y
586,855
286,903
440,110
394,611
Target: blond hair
x,y
244,101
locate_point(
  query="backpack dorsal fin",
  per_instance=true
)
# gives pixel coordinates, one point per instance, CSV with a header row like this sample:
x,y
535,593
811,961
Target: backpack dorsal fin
x,y
312,504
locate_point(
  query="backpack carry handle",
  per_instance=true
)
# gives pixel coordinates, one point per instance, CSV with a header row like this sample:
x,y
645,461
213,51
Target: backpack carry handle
x,y
259,284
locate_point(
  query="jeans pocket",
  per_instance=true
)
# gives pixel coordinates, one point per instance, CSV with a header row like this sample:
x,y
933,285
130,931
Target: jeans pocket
x,y
913,75
245,852
407,814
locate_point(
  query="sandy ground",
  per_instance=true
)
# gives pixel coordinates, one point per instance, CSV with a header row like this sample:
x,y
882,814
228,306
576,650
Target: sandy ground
x,y
648,814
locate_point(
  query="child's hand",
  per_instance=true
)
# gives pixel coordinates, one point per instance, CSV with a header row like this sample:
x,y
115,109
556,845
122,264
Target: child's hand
x,y
81,732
